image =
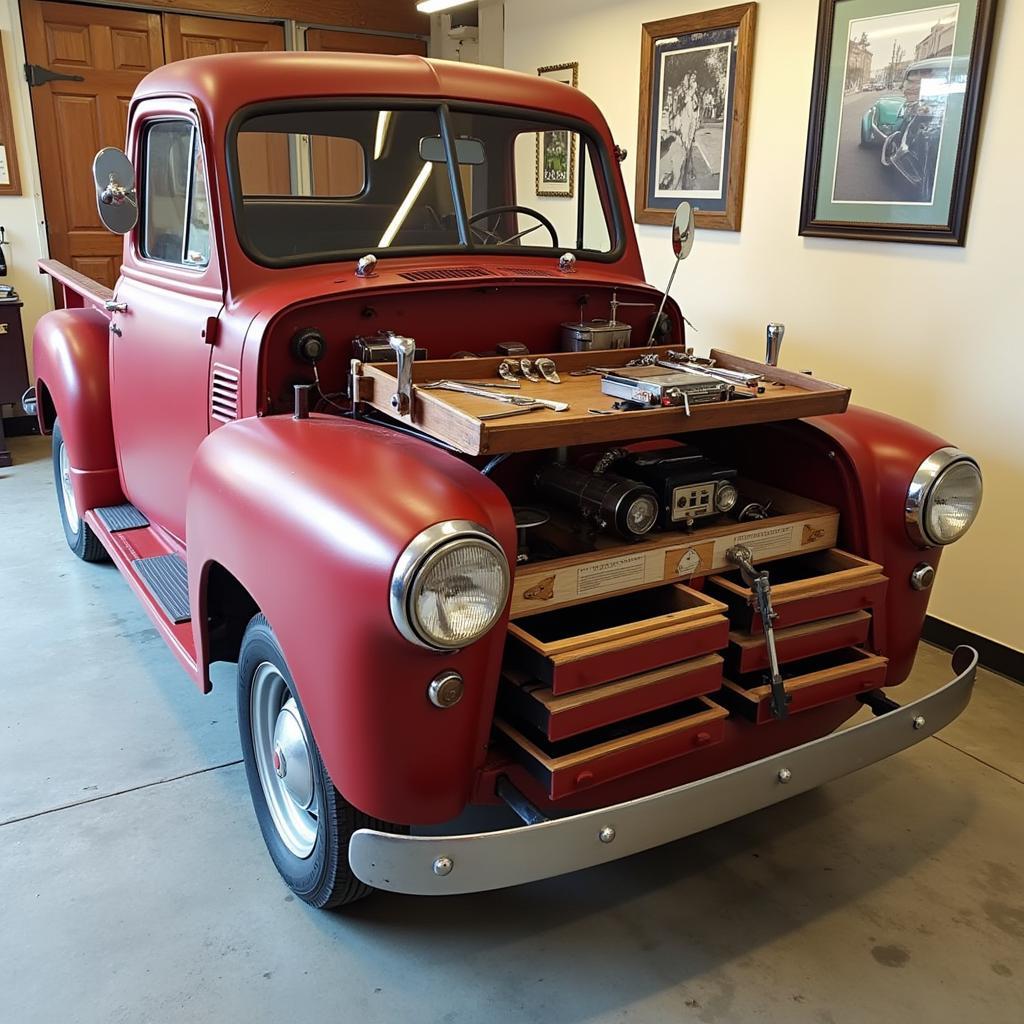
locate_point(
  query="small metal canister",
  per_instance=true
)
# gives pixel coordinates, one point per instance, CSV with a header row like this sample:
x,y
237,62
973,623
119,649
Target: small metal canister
x,y
590,335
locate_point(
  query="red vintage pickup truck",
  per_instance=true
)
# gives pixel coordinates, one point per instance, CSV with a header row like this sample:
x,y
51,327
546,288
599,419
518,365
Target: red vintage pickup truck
x,y
416,446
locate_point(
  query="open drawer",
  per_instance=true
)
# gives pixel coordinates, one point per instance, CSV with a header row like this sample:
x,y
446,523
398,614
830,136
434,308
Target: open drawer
x,y
809,683
523,699
748,652
586,645
569,765
818,585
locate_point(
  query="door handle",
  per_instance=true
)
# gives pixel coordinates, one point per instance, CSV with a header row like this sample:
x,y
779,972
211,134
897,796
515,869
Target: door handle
x,y
113,306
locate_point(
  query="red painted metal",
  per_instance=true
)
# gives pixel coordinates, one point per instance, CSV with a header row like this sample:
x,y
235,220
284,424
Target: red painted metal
x,y
71,352
310,517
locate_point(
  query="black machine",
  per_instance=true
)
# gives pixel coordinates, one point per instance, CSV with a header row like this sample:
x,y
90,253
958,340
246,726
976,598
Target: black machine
x,y
689,486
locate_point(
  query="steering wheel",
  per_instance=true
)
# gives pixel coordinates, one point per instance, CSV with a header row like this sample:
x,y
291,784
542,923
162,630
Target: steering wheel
x,y
488,235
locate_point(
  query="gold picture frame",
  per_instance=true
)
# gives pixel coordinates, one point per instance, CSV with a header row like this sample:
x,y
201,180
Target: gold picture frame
x,y
555,174
10,176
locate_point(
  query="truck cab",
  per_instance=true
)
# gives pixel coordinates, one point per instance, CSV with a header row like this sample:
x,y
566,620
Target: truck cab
x,y
349,420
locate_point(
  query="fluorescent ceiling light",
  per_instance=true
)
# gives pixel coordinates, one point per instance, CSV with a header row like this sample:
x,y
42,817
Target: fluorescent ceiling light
x,y
431,6
403,211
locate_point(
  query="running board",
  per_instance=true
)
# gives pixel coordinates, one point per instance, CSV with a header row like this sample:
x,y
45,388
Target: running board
x,y
122,517
166,578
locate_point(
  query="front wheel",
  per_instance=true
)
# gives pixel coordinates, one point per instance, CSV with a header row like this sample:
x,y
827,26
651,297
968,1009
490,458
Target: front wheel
x,y
306,823
79,536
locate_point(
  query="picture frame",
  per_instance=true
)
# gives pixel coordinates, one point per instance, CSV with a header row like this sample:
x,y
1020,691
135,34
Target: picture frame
x,y
10,177
695,80
556,150
895,109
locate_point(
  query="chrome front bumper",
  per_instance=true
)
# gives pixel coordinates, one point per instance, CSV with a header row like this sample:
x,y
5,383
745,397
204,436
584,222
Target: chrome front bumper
x,y
442,865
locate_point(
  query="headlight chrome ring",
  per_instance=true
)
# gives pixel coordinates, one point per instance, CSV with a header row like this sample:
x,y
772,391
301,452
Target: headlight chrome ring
x,y
922,492
423,552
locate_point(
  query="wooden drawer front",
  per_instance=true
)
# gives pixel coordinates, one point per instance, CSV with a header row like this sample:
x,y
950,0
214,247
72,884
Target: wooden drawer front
x,y
814,586
587,645
748,652
810,683
523,699
569,765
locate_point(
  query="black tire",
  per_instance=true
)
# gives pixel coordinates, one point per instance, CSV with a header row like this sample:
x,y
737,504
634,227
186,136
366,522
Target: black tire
x,y
82,540
323,878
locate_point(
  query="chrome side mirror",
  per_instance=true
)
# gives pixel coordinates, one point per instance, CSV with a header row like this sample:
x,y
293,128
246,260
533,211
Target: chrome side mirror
x,y
682,231
116,201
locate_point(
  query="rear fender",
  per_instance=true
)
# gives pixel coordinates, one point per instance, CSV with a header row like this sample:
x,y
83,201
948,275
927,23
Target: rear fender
x,y
310,517
71,352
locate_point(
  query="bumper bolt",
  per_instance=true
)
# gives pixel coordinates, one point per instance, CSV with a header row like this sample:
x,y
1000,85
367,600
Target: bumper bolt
x,y
443,866
784,775
919,721
607,834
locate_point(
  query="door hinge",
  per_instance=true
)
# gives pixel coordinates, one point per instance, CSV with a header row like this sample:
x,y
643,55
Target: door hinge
x,y
36,75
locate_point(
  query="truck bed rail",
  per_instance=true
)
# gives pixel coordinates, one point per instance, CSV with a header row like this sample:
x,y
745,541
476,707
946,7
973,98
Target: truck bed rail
x,y
78,291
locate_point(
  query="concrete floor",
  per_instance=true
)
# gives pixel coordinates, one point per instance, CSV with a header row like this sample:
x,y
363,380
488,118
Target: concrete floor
x,y
134,884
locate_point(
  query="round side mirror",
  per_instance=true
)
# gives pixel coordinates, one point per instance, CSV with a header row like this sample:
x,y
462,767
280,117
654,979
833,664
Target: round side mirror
x,y
116,202
682,231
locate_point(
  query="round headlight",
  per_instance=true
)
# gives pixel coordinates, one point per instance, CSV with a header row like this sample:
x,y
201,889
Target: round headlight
x,y
641,514
944,497
449,586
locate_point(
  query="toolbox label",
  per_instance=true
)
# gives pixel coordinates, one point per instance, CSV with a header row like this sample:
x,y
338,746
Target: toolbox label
x,y
772,540
620,573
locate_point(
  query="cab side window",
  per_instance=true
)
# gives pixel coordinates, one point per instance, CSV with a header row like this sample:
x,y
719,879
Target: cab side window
x,y
176,222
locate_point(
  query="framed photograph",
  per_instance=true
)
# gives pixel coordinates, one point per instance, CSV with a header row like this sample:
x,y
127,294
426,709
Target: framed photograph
x,y
10,179
895,108
694,98
556,151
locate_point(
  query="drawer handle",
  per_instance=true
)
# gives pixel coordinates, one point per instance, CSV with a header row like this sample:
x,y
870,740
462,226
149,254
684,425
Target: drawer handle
x,y
584,778
702,739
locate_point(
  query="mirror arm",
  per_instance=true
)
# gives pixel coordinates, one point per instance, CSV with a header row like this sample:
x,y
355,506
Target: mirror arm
x,y
454,178
581,159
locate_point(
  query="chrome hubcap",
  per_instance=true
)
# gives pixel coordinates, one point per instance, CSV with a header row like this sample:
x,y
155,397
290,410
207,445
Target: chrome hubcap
x,y
68,493
284,760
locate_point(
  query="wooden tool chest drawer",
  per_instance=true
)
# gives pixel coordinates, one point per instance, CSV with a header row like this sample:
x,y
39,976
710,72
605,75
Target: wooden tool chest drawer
x,y
809,683
526,700
586,645
569,765
748,652
819,585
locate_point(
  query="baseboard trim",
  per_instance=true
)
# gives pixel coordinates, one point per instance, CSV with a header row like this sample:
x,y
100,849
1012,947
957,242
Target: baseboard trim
x,y
992,655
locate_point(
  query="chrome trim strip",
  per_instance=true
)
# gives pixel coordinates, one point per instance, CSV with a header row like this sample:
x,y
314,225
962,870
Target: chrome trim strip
x,y
927,476
494,860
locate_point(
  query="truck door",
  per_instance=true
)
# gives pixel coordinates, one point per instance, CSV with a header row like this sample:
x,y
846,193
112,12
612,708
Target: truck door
x,y
171,297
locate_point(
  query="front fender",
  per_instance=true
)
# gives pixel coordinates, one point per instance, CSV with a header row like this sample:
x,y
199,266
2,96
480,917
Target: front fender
x,y
71,352
310,516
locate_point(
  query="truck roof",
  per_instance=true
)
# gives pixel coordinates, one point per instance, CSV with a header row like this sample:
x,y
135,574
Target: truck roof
x,y
224,83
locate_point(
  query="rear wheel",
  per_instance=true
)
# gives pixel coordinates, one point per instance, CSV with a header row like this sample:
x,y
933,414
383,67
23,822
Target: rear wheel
x,y
79,536
306,823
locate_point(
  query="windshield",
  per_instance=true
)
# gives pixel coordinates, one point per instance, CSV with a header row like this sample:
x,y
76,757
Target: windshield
x,y
312,186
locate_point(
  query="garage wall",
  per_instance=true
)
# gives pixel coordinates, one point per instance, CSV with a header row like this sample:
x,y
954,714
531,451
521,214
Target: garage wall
x,y
22,216
928,333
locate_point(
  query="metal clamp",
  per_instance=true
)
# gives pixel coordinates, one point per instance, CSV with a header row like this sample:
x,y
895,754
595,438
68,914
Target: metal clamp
x,y
757,579
113,306
405,352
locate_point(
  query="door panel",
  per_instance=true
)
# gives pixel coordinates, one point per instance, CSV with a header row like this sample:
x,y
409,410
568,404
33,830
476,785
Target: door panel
x,y
112,50
362,42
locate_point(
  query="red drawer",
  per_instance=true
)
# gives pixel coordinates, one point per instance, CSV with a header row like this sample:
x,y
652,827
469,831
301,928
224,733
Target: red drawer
x,y
570,765
589,644
526,700
748,652
819,585
809,683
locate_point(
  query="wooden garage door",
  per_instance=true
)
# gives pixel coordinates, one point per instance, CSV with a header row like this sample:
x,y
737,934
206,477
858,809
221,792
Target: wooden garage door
x,y
111,51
